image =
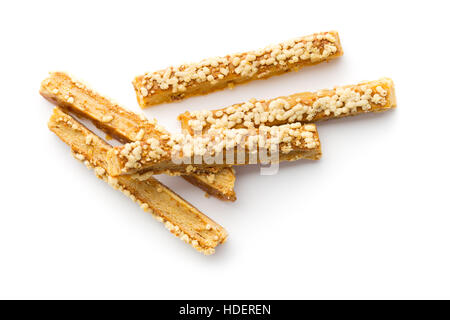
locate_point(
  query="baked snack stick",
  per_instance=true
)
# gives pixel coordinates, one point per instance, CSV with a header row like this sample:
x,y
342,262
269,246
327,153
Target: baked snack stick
x,y
176,83
219,184
371,96
181,218
216,149
124,125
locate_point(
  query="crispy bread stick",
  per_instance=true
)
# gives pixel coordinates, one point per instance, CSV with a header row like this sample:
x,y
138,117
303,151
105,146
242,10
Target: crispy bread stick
x,y
213,74
124,125
372,96
181,218
219,184
216,149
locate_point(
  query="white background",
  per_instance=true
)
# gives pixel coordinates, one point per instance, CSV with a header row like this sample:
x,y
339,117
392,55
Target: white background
x,y
371,219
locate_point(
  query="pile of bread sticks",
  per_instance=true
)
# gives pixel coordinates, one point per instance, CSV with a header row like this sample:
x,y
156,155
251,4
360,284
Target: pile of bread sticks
x,y
148,149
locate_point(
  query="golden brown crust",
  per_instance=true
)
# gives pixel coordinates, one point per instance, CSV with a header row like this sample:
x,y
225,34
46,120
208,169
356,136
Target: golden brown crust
x,y
122,124
215,184
305,107
217,149
180,217
176,83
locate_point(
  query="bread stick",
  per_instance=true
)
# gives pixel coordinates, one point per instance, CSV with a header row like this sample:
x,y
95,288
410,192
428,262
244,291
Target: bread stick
x,y
176,83
216,149
219,184
305,107
124,125
181,218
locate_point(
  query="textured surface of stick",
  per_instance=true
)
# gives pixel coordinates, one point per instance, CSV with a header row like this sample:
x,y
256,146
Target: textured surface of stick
x,y
213,74
216,149
181,218
124,125
371,96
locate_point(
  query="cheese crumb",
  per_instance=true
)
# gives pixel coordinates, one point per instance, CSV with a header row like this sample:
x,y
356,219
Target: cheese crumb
x,y
107,118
